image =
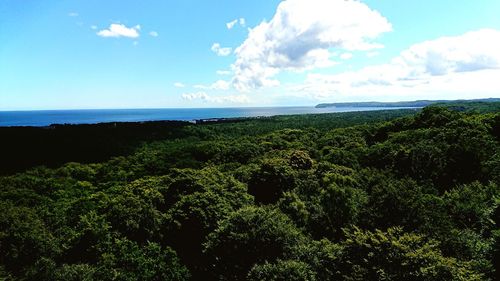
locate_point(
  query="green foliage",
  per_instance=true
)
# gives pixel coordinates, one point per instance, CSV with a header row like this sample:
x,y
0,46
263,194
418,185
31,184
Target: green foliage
x,y
194,216
75,272
249,236
273,177
125,260
394,255
282,270
472,205
495,249
339,206
389,195
322,256
24,238
446,149
134,209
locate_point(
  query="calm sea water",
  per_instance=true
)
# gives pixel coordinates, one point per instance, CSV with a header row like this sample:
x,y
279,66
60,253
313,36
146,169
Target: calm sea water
x,y
48,117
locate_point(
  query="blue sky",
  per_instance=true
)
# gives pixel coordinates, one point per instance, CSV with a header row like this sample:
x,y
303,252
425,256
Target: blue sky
x,y
75,54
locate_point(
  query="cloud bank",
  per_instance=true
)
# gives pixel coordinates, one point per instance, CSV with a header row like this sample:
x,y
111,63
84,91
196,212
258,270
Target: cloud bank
x,y
218,85
316,34
456,64
203,96
300,36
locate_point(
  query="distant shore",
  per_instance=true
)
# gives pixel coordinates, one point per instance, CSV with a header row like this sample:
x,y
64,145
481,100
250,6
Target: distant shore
x,y
417,103
194,115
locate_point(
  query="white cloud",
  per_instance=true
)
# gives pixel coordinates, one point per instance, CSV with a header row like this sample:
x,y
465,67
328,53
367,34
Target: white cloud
x,y
221,85
73,14
120,30
346,56
469,52
179,85
153,33
93,27
455,66
223,72
222,52
218,85
231,24
372,54
240,21
203,96
241,99
195,96
300,36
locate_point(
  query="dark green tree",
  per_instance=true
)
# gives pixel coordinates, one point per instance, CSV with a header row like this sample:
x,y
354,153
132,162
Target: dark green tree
x,y
250,236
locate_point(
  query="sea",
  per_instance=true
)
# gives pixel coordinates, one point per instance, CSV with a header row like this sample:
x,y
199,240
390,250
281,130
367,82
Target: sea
x,y
42,118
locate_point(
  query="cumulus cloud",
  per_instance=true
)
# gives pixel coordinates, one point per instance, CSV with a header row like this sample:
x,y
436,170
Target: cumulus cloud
x,y
240,21
346,56
220,51
372,54
300,36
223,72
153,34
203,96
120,30
472,51
450,65
195,96
218,85
179,85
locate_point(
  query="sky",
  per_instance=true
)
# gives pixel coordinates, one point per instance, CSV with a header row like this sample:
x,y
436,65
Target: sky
x,y
93,54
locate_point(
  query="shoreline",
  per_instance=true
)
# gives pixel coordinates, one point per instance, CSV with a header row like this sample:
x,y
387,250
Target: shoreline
x,y
208,120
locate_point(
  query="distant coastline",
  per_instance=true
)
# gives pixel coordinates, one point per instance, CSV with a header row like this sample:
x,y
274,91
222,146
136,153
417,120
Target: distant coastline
x,y
193,115
417,103
46,118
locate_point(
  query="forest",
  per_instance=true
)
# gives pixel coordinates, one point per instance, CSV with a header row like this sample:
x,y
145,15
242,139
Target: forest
x,y
382,195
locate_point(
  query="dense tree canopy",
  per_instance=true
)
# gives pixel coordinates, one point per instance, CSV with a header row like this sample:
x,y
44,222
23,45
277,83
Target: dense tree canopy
x,y
390,195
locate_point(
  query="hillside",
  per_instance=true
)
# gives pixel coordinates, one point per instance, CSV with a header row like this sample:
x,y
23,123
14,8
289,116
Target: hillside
x,y
418,103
